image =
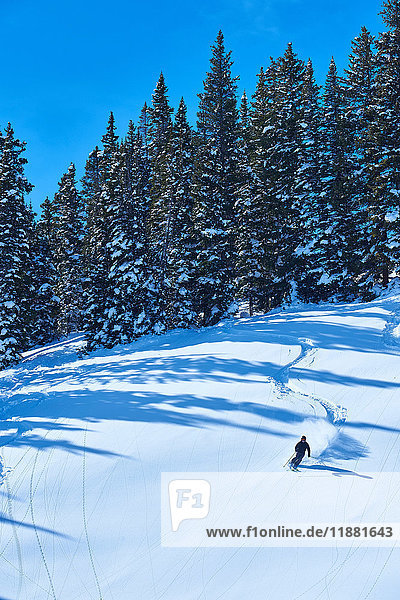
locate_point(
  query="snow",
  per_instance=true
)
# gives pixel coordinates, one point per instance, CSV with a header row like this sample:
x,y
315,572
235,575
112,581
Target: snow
x,y
392,215
396,331
9,304
84,442
325,279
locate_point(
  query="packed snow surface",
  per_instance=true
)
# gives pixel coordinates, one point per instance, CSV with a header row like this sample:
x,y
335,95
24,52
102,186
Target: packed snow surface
x,y
84,442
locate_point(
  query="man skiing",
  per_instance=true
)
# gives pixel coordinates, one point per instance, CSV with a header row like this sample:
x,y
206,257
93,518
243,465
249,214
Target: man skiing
x,y
300,449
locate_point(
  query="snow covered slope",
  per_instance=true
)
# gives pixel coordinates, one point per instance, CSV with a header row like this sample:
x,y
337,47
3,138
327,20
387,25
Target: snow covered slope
x,y
84,442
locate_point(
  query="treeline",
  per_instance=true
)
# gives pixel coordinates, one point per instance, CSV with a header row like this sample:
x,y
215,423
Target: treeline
x,y
291,194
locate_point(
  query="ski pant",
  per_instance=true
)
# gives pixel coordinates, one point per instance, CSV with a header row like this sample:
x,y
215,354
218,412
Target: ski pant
x,y
297,459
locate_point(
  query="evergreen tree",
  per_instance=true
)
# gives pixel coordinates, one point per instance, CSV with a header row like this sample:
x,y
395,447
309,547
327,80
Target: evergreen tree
x,y
383,154
264,236
161,209
137,170
46,225
217,181
66,246
260,112
360,84
143,131
100,188
14,245
244,117
310,264
280,163
250,285
128,283
41,307
160,123
180,259
95,250
339,215
286,183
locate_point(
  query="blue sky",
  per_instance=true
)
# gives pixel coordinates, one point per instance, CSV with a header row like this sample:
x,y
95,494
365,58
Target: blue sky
x,y
66,64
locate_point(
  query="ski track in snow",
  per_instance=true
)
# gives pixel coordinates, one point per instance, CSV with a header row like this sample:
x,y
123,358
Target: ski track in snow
x,y
16,539
40,546
84,515
336,414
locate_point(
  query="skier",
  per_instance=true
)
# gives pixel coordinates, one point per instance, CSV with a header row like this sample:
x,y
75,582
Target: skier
x,y
300,449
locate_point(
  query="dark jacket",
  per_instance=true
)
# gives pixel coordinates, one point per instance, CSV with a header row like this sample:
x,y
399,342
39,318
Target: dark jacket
x,y
302,447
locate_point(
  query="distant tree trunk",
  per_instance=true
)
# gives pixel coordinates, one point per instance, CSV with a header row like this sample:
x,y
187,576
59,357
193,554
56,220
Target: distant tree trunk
x,y
385,275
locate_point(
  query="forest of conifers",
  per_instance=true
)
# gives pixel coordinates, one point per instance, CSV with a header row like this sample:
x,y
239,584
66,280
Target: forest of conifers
x,y
291,193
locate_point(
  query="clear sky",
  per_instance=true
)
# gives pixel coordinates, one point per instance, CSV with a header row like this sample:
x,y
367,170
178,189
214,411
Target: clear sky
x,y
66,64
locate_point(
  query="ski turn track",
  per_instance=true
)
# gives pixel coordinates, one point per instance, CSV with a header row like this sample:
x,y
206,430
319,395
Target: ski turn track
x,y
336,414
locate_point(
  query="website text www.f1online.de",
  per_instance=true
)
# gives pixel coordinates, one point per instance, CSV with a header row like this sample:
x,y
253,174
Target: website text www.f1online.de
x,y
313,531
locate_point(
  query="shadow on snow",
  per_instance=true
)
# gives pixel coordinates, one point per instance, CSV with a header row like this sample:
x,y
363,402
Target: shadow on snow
x,y
108,388
334,470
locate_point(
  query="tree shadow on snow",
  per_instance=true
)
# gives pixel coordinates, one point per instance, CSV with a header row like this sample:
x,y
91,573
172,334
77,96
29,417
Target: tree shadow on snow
x,y
98,392
14,523
21,435
185,410
118,384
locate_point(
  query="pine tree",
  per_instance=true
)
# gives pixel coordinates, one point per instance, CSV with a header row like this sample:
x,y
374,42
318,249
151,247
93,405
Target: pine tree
x,y
279,159
244,117
250,284
383,156
46,225
180,264
339,215
359,85
137,173
100,188
286,183
360,90
41,308
144,133
160,123
310,266
217,181
260,126
66,246
161,208
127,316
95,251
14,245
264,236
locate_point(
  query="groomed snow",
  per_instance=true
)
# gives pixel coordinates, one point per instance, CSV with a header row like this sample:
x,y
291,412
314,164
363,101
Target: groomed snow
x,y
84,443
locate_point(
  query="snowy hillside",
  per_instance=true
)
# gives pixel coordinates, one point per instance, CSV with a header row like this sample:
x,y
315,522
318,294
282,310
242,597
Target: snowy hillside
x,y
84,443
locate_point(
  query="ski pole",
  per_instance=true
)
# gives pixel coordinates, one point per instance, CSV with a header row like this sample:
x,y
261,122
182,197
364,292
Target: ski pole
x,y
289,459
